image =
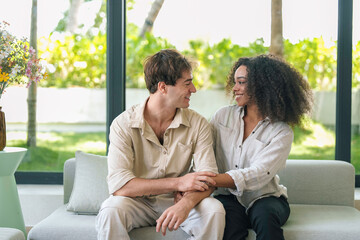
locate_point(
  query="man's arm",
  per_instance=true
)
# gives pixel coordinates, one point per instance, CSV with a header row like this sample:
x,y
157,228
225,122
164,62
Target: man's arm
x,y
197,181
177,214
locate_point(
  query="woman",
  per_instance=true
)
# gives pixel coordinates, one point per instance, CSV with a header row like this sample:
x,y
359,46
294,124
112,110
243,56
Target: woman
x,y
252,141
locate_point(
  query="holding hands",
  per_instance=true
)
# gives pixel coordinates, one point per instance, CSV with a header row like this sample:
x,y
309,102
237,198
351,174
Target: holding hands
x,y
196,181
185,200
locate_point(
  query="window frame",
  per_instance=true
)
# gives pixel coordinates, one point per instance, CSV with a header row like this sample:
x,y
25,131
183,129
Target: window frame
x,y
116,77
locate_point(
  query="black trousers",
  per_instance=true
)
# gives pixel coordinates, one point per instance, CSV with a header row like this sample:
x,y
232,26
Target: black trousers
x,y
265,217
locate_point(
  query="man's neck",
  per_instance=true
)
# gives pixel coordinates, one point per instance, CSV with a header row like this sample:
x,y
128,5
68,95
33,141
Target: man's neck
x,y
158,115
157,111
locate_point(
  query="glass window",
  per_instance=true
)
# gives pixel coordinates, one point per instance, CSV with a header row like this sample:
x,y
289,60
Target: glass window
x,y
231,29
71,102
71,110
355,121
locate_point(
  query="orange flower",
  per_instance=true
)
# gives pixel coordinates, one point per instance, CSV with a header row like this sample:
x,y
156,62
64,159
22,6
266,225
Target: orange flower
x,y
3,76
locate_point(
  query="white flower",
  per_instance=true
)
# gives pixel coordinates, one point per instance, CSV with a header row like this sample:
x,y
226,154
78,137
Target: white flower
x,y
3,55
8,48
15,70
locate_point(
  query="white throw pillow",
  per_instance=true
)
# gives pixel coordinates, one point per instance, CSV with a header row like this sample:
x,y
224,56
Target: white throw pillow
x,y
90,186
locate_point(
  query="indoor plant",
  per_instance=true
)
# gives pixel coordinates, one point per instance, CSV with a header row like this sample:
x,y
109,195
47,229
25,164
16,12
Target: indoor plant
x,y
18,65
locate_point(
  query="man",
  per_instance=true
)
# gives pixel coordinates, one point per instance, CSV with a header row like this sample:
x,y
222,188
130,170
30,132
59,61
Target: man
x,y
152,148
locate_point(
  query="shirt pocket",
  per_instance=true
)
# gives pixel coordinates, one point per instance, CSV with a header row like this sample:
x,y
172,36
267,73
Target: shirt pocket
x,y
254,149
147,159
225,141
182,157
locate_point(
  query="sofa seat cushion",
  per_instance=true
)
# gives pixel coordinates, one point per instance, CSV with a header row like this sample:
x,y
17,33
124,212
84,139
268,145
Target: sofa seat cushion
x,y
310,222
62,224
314,222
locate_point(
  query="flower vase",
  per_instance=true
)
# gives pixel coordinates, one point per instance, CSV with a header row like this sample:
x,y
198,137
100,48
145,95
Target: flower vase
x,y
2,130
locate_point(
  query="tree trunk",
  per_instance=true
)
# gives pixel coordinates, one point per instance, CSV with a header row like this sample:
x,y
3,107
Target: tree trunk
x,y
31,134
277,44
72,22
149,21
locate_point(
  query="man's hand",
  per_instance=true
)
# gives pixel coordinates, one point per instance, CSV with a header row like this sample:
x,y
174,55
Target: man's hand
x,y
196,181
173,217
176,214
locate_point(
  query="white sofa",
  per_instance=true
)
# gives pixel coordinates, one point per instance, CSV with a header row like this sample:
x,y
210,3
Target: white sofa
x,y
11,234
321,197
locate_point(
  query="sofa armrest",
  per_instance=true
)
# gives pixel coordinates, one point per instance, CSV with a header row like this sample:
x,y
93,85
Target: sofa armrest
x,y
69,175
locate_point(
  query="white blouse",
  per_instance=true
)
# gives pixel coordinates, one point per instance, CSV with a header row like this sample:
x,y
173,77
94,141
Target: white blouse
x,y
254,163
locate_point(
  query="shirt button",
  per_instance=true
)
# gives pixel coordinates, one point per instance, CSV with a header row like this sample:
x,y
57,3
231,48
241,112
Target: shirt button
x,y
164,152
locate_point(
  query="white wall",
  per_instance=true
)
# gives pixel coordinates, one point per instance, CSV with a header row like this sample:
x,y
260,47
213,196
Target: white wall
x,y
82,105
325,107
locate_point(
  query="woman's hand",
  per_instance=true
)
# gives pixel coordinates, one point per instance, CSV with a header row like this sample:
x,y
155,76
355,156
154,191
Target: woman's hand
x,y
196,181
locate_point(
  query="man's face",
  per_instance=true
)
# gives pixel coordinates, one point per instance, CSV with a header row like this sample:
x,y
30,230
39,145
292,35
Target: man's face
x,y
179,95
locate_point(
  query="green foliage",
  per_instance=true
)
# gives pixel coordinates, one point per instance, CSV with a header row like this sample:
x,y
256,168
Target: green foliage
x,y
137,49
311,57
214,62
80,60
356,66
62,23
315,61
75,61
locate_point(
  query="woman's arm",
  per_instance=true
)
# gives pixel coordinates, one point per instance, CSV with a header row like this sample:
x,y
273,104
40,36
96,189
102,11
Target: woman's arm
x,y
224,180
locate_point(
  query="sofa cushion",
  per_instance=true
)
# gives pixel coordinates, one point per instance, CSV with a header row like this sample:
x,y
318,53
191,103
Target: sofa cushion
x,y
328,222
62,224
310,222
90,186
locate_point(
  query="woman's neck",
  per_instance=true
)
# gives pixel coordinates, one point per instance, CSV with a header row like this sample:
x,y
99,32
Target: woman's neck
x,y
252,113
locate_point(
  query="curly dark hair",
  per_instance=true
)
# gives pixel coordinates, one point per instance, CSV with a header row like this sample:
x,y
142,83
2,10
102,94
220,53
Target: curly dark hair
x,y
277,88
165,66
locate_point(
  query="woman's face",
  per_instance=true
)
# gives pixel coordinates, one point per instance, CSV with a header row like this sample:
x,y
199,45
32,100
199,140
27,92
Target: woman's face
x,y
240,86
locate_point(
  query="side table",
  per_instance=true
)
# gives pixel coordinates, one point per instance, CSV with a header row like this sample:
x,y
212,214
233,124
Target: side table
x,y
10,210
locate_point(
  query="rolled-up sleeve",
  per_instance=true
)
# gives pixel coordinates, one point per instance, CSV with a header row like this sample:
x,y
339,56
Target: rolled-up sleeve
x,y
120,156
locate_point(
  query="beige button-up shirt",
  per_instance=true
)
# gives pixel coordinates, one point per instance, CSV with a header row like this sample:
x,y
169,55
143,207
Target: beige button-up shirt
x,y
135,151
254,163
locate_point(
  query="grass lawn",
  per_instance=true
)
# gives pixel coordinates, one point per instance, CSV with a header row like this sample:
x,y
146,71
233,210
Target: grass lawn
x,y
313,142
54,148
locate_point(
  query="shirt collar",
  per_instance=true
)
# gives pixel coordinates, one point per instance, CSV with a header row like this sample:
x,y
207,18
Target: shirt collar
x,y
180,118
241,111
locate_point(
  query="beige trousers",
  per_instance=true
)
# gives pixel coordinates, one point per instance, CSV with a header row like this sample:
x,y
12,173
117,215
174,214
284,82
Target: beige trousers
x,y
119,215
